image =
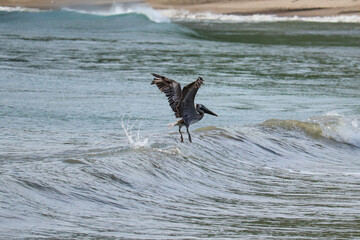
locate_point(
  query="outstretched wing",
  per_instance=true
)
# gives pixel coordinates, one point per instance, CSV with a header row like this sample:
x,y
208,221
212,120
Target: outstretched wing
x,y
171,88
186,106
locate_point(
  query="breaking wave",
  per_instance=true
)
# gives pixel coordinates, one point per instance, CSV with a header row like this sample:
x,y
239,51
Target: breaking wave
x,y
119,9
208,16
112,10
332,126
18,9
166,15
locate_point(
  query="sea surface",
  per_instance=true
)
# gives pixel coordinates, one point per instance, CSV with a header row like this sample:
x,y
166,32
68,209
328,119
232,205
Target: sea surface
x,y
85,151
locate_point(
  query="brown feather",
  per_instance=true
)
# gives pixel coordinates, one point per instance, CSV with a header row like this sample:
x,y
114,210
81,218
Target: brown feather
x,y
188,93
171,88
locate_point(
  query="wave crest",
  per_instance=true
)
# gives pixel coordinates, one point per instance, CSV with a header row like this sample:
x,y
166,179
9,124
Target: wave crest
x,y
312,129
344,129
340,128
120,9
18,9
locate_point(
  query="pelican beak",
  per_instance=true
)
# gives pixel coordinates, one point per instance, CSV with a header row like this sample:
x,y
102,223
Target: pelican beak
x,y
208,111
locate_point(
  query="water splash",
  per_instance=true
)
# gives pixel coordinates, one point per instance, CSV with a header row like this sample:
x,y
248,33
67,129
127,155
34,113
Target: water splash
x,y
134,139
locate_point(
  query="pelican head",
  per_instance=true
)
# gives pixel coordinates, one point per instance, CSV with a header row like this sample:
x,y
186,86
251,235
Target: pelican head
x,y
205,109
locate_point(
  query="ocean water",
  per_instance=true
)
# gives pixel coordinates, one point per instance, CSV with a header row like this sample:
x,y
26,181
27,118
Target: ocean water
x,y
85,151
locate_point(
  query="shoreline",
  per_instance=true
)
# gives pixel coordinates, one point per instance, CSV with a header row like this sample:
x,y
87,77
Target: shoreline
x,y
282,8
285,8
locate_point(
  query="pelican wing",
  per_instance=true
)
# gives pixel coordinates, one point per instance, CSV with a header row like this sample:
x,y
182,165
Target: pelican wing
x,y
186,106
171,88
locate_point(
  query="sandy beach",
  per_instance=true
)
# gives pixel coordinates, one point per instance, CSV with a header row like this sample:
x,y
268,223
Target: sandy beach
x,y
302,8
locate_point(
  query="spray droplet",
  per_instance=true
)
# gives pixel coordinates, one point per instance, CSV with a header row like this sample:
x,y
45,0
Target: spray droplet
x,y
134,139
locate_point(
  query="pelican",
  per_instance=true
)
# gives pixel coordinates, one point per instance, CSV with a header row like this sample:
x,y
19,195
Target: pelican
x,y
182,101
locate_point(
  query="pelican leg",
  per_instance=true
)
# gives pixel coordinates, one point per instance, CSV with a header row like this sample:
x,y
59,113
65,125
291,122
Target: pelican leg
x,y
187,129
181,136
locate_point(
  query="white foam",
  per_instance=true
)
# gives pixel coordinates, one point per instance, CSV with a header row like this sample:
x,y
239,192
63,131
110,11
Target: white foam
x,y
341,128
208,16
18,9
134,139
118,9
171,150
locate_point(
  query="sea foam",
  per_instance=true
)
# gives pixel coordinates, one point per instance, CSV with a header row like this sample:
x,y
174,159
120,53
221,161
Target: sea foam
x,y
18,9
208,16
341,128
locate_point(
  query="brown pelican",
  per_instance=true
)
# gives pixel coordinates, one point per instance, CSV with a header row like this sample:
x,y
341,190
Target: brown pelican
x,y
182,101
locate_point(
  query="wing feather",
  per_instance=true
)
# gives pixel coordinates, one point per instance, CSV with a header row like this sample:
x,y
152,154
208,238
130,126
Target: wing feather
x,y
186,106
171,88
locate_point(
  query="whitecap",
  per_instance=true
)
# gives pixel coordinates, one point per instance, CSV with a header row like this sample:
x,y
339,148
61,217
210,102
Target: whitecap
x,y
340,128
119,8
208,16
170,150
18,9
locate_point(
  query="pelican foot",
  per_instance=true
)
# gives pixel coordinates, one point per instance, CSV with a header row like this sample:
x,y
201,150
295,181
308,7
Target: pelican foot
x,y
187,129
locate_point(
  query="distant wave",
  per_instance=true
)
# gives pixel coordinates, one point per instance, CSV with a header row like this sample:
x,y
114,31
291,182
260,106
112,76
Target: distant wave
x,y
18,9
207,16
119,9
114,9
166,15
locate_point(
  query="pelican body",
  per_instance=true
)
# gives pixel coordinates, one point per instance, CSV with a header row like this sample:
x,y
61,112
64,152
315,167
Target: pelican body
x,y
182,101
